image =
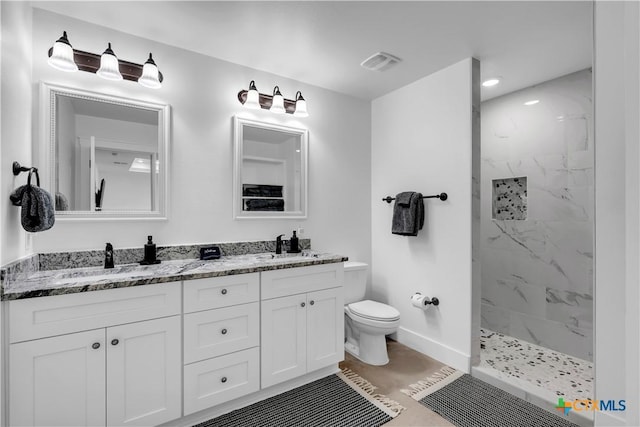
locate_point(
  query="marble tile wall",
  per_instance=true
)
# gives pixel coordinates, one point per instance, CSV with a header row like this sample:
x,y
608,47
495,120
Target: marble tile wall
x,y
537,272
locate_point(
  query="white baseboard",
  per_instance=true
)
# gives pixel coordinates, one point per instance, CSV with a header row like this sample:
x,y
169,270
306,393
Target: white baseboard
x,y
434,349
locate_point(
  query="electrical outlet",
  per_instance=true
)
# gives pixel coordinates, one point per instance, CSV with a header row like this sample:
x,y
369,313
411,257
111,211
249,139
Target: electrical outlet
x,y
300,231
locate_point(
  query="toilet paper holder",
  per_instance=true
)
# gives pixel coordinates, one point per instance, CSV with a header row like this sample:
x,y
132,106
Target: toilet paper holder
x,y
427,300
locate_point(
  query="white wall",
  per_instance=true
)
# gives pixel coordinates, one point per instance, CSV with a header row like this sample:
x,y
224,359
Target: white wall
x,y
202,92
16,117
616,207
422,141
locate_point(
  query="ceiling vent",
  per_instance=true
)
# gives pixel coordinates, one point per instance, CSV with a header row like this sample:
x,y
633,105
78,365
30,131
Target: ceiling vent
x,y
380,61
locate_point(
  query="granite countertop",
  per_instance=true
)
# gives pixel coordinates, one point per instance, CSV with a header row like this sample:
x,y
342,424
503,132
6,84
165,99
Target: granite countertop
x,y
75,280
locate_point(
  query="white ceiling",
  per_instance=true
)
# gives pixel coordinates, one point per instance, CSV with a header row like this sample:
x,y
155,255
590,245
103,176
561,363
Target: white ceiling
x,y
323,43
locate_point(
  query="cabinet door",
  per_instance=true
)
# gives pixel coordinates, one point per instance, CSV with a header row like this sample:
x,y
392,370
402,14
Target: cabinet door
x,y
58,381
325,328
144,372
284,346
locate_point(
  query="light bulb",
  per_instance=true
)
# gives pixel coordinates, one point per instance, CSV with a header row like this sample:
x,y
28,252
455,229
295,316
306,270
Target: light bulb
x,y
301,106
109,66
253,97
277,104
61,57
150,75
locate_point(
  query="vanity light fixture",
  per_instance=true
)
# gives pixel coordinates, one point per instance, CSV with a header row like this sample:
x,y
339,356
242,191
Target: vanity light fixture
x,y
63,57
109,65
276,103
301,106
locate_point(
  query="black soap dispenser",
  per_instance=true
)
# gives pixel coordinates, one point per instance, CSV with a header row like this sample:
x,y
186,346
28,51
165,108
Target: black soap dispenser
x,y
294,247
150,253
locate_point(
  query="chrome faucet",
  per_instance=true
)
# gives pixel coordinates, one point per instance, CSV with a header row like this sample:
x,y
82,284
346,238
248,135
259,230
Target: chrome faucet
x,y
279,244
108,256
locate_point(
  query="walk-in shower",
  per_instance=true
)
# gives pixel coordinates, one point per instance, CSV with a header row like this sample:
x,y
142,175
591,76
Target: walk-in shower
x,y
536,248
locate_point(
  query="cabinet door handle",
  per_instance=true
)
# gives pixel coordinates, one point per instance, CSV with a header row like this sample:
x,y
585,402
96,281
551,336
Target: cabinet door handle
x,y
223,292
223,379
95,345
115,341
224,331
312,302
302,304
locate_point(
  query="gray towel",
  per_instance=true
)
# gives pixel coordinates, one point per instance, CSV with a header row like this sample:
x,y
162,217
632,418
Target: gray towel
x,y
408,214
37,212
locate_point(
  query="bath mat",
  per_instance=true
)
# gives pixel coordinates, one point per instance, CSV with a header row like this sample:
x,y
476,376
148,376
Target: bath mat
x,y
466,401
341,400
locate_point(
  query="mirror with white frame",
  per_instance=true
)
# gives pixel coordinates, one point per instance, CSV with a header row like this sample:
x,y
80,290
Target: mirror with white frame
x,y
107,156
270,170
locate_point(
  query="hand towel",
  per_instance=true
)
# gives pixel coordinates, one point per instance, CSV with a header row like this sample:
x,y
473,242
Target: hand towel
x,y
408,214
38,209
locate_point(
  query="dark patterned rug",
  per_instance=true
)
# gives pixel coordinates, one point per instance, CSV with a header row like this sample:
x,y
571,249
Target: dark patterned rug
x,y
468,402
329,402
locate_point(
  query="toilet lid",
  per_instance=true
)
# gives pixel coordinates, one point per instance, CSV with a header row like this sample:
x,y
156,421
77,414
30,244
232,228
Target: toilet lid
x,y
374,310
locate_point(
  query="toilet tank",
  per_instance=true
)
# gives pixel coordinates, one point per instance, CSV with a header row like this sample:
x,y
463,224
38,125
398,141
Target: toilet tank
x,y
355,281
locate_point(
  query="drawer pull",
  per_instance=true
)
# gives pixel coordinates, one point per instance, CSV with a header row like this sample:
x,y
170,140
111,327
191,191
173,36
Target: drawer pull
x,y
223,292
115,341
95,345
223,332
223,379
312,302
302,304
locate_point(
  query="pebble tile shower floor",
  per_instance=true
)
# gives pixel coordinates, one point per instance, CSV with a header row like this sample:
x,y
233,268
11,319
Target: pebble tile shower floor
x,y
566,376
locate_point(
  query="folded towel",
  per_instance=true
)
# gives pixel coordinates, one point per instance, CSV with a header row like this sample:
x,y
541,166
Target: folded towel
x,y
264,205
260,190
404,198
37,212
408,214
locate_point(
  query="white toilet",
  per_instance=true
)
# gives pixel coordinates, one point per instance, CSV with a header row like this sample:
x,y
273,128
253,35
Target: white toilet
x,y
366,322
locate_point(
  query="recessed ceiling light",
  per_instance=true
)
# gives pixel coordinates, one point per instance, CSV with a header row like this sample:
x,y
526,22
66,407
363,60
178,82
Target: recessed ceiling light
x,y
490,82
532,102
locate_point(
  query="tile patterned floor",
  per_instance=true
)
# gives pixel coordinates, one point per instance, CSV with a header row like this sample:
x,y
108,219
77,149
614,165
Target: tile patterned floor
x,y
562,374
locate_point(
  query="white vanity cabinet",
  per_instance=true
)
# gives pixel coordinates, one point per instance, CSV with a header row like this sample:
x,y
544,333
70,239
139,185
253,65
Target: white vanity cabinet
x,y
302,321
116,374
221,340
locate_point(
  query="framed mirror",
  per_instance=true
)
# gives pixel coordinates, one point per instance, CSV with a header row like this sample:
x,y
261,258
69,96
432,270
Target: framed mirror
x,y
270,170
105,156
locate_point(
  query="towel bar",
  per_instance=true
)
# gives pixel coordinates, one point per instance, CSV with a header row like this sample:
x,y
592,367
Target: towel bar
x,y
441,196
18,168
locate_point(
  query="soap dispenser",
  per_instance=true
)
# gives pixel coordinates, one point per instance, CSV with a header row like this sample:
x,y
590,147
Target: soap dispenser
x,y
150,253
294,248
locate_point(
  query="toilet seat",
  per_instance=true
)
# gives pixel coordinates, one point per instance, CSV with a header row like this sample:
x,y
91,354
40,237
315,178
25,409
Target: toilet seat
x,y
373,310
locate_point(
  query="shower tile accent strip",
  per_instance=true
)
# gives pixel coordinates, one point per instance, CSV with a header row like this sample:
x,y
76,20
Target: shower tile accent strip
x,y
510,198
566,376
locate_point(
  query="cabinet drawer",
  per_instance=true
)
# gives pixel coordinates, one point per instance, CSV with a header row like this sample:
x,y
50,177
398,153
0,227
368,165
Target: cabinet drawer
x,y
61,314
216,292
213,333
290,281
215,381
